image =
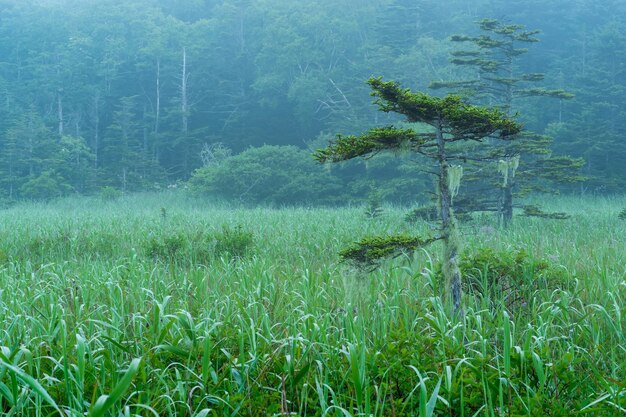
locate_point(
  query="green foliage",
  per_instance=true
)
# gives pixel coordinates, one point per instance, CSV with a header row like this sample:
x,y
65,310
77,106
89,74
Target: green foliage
x,y
535,211
286,331
373,206
462,212
230,243
369,251
277,175
233,242
493,55
461,120
45,186
376,140
510,277
622,214
167,247
426,213
110,193
116,118
457,120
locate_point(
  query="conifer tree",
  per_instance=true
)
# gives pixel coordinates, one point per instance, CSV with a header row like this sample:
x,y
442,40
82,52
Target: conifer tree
x,y
449,120
498,81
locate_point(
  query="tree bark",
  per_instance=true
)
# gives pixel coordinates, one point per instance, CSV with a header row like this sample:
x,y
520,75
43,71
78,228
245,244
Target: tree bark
x,y
183,94
60,111
96,134
451,270
507,202
185,112
157,115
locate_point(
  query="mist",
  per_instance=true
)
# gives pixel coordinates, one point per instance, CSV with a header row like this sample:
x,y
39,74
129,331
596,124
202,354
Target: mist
x,y
312,208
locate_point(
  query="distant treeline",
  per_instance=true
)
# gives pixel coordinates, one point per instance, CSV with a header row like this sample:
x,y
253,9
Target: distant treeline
x,y
128,94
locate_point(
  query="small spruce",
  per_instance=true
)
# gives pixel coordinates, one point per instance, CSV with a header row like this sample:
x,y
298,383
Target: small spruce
x,y
374,207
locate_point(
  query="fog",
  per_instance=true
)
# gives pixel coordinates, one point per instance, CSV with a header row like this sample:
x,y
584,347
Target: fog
x,y
135,95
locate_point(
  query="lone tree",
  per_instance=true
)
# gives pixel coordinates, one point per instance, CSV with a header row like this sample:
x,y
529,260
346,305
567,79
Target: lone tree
x,y
450,120
527,164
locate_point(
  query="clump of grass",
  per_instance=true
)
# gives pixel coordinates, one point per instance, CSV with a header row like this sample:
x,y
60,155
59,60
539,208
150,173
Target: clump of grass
x,y
233,242
622,214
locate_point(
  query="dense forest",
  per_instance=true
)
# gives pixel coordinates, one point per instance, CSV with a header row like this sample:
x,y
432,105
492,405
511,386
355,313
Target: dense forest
x,y
139,94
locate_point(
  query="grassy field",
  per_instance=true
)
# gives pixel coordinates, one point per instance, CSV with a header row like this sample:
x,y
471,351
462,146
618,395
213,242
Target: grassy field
x,y
158,305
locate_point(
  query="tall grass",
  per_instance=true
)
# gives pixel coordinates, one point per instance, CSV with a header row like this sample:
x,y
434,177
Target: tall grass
x,y
95,323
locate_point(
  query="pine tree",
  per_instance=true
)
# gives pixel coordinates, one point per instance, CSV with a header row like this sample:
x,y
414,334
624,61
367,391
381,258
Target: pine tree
x,y
449,120
493,56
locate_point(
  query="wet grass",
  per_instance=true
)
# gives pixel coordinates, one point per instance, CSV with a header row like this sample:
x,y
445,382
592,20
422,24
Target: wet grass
x,y
161,305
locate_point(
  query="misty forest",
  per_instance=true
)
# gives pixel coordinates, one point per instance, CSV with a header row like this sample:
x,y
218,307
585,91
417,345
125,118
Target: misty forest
x,y
337,208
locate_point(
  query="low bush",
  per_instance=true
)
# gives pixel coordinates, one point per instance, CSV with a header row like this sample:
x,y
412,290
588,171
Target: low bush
x,y
45,186
275,175
110,193
233,242
509,277
166,247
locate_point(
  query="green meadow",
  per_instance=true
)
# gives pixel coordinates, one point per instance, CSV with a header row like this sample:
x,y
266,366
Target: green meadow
x,y
163,305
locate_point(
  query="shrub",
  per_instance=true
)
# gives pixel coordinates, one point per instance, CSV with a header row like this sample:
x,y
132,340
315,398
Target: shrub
x,y
165,247
230,242
234,242
45,186
431,213
509,276
110,193
279,175
425,213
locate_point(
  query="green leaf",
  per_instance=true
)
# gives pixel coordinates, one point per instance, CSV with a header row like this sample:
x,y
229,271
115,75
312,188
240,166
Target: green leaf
x,y
106,402
31,383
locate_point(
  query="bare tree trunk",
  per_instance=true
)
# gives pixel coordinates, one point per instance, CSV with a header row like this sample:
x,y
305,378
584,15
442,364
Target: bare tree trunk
x,y
183,94
185,111
157,116
507,203
60,110
96,136
451,270
145,131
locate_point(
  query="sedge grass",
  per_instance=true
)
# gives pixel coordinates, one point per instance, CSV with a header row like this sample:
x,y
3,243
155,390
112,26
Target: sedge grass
x,y
91,324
